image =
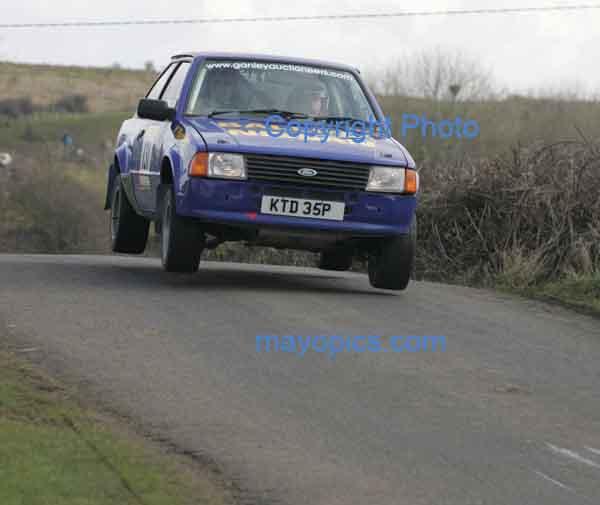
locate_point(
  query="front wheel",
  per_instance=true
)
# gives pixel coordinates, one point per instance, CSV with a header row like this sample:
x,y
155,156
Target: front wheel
x,y
390,267
181,240
128,230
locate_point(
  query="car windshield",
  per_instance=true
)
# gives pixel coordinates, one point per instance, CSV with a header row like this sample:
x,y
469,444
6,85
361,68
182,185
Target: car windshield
x,y
254,87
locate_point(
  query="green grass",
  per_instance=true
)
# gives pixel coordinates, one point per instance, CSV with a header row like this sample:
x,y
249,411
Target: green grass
x,y
53,451
575,290
578,291
32,133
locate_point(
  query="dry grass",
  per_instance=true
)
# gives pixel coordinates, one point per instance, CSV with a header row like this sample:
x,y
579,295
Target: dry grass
x,y
107,89
515,121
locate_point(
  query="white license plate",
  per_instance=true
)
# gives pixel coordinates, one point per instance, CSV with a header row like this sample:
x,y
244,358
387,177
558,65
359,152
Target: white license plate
x,y
300,207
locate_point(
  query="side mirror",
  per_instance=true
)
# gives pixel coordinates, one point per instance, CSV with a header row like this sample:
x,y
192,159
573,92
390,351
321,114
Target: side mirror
x,y
155,109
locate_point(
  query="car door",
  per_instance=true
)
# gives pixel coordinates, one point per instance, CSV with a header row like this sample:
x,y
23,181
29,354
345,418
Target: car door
x,y
142,185
157,136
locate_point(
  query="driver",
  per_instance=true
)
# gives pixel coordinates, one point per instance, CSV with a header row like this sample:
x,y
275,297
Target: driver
x,y
319,100
309,98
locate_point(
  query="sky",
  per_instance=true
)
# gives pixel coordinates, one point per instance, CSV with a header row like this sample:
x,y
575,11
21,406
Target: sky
x,y
556,51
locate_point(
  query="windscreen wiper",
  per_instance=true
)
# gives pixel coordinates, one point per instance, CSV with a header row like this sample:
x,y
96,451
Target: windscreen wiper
x,y
286,114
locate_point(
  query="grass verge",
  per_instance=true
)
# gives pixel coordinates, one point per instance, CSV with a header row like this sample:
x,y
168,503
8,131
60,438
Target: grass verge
x,y
581,292
52,450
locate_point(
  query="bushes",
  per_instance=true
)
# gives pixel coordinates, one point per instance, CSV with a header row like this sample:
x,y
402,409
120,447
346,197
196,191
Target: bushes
x,y
235,251
71,104
14,108
521,219
45,210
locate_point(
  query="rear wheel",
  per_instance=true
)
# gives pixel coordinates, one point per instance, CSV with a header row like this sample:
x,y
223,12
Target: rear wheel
x,y
128,230
335,259
391,266
181,240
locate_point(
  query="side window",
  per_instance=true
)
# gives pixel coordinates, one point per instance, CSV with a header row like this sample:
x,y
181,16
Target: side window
x,y
173,89
158,86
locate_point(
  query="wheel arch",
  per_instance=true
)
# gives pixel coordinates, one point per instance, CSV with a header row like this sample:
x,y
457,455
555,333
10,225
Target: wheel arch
x,y
172,171
113,171
166,171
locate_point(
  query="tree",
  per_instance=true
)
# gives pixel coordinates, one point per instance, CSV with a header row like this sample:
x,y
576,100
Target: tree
x,y
436,74
149,67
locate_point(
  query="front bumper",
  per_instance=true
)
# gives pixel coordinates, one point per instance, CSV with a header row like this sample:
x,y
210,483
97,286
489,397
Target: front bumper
x,y
235,203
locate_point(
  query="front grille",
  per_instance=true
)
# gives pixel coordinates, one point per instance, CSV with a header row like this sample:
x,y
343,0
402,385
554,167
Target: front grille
x,y
330,174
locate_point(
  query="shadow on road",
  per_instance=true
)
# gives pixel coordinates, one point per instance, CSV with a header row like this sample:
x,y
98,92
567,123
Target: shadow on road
x,y
145,273
236,277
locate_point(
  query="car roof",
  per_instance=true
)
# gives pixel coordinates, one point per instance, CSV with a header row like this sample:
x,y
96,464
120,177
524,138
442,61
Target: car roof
x,y
265,57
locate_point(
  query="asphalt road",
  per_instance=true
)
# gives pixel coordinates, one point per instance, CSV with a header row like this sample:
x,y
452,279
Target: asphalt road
x,y
508,414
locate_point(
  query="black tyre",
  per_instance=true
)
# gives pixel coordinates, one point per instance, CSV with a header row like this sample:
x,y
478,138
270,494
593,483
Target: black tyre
x,y
335,259
391,266
128,230
181,240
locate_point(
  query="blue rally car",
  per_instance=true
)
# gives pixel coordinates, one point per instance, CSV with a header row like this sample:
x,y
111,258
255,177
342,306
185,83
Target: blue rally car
x,y
270,151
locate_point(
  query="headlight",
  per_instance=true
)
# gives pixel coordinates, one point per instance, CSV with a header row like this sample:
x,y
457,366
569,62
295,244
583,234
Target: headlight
x,y
393,180
227,165
220,165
